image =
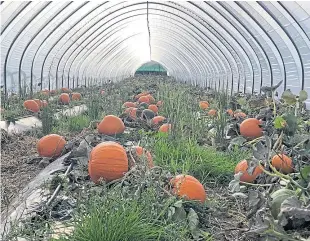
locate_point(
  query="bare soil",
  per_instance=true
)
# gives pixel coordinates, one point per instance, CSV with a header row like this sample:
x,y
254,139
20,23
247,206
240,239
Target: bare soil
x,y
17,169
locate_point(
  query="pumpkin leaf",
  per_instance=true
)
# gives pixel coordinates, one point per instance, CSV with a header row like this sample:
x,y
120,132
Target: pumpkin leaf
x,y
242,101
289,97
279,122
260,151
239,140
303,95
292,212
193,222
291,122
240,194
305,173
278,198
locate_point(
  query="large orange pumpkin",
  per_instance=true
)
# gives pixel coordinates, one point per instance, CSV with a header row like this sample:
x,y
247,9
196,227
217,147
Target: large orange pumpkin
x,y
247,177
165,128
129,104
249,128
32,106
157,119
204,105
153,108
51,145
212,113
132,112
64,98
140,151
282,163
108,161
76,96
144,99
188,187
111,125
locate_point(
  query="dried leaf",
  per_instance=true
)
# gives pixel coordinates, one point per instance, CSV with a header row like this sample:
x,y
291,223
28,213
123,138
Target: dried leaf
x,y
239,140
193,222
234,185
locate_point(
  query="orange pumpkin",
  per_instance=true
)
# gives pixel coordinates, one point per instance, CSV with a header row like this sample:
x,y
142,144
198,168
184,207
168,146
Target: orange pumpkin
x,y
230,112
140,151
157,119
141,94
44,103
66,90
108,161
188,187
246,177
39,102
212,113
151,99
282,163
144,99
153,108
76,96
249,128
165,128
51,145
64,98
239,114
129,104
204,105
32,106
159,103
111,125
132,112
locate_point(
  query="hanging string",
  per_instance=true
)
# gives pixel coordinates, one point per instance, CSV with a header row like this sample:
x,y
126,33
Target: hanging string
x,y
148,27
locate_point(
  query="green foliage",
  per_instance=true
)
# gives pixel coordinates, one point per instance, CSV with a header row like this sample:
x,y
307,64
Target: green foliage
x,y
279,122
71,124
48,120
93,106
114,218
186,156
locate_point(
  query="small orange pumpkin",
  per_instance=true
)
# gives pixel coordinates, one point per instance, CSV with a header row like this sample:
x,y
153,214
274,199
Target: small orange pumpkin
x,y
141,94
66,90
165,128
129,104
151,99
140,151
230,112
51,145
44,103
76,96
212,113
282,163
132,112
239,114
32,106
204,105
188,187
64,98
159,103
111,125
144,99
246,177
157,119
153,108
249,128
39,102
108,160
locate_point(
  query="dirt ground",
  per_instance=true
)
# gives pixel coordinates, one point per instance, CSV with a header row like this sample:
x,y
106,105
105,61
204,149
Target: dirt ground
x,y
17,165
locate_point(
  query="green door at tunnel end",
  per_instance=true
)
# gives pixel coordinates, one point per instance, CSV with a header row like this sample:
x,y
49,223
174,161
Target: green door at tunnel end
x,y
152,68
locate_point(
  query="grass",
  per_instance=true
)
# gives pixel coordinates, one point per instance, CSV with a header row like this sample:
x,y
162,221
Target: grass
x,y
114,218
71,124
186,156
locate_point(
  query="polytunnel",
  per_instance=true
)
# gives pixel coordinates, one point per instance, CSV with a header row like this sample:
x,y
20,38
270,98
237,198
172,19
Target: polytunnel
x,y
241,46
